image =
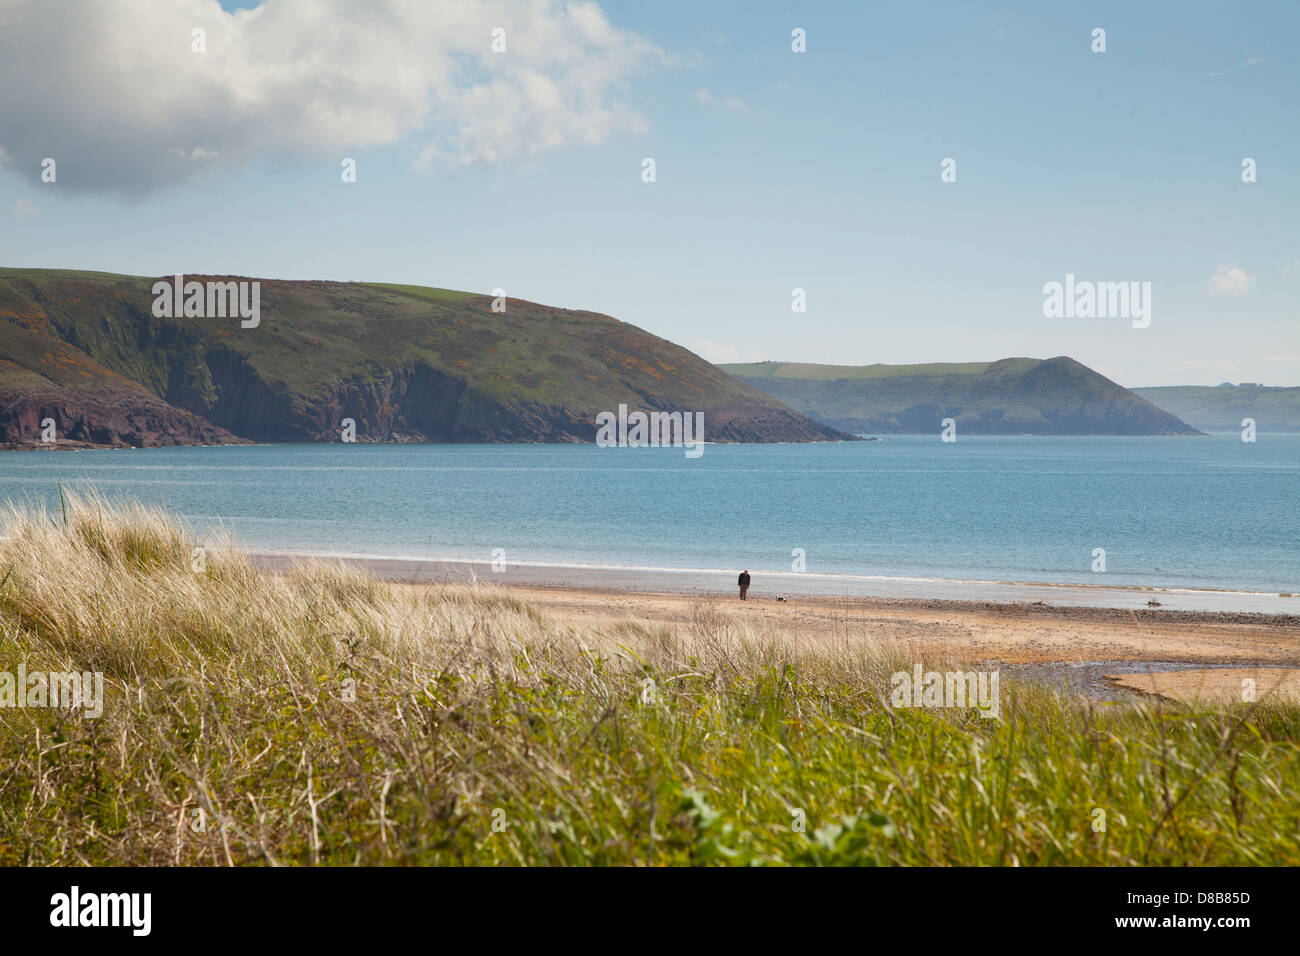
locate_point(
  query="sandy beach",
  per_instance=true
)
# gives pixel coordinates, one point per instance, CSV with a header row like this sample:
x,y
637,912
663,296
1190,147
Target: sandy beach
x,y
1217,685
1013,633
707,584
1114,649
1077,648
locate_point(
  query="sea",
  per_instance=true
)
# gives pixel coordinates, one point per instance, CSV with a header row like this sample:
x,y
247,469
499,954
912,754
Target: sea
x,y
1206,522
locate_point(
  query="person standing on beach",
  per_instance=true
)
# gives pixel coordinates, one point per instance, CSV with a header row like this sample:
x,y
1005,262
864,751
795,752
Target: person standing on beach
x,y
743,581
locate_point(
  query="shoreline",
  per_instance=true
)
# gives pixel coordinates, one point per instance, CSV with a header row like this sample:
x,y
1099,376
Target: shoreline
x,y
1105,653
1065,643
786,585
1076,649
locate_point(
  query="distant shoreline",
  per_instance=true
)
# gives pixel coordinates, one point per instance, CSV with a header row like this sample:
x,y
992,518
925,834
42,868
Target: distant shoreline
x,y
35,445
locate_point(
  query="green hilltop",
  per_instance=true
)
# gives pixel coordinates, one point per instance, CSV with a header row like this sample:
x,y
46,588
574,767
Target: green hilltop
x,y
1056,396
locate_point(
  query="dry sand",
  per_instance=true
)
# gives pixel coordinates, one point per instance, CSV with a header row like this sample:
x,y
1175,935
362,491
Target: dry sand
x,y
1033,635
1011,633
1217,685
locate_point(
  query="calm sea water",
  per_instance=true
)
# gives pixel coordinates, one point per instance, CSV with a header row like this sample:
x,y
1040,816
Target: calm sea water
x,y
1172,512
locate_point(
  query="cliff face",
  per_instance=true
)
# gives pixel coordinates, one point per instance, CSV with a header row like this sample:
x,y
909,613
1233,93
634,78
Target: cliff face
x,y
418,403
1018,396
46,380
404,363
101,424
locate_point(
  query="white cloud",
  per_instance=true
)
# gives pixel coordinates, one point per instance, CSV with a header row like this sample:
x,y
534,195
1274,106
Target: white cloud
x,y
1241,66
1231,280
113,91
706,96
1291,271
196,155
24,209
1282,359
718,353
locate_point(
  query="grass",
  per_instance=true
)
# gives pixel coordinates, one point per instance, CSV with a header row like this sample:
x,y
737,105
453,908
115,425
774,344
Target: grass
x,y
424,292
812,372
482,733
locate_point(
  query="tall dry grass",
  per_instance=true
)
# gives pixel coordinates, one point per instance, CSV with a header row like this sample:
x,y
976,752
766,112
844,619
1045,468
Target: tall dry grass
x,y
323,717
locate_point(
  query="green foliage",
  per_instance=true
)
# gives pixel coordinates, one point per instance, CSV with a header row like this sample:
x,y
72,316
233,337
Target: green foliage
x,y
323,717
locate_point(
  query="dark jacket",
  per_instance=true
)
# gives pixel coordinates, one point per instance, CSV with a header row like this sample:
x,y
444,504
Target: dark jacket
x,y
743,580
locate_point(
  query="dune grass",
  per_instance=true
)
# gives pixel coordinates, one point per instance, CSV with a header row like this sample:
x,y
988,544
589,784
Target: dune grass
x,y
322,717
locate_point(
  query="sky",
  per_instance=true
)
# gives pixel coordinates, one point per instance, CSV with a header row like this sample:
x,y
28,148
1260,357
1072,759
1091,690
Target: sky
x,y
774,170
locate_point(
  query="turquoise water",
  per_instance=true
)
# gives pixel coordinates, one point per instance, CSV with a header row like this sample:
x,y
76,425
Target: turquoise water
x,y
1170,512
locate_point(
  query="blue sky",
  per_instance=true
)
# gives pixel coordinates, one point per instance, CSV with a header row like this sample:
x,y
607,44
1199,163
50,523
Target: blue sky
x,y
774,170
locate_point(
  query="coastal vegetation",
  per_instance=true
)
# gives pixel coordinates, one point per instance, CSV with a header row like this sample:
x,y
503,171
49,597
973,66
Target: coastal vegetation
x,y
323,717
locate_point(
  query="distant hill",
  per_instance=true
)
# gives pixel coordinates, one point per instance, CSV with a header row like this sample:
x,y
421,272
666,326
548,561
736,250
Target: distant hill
x,y
407,363
1221,408
1056,396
